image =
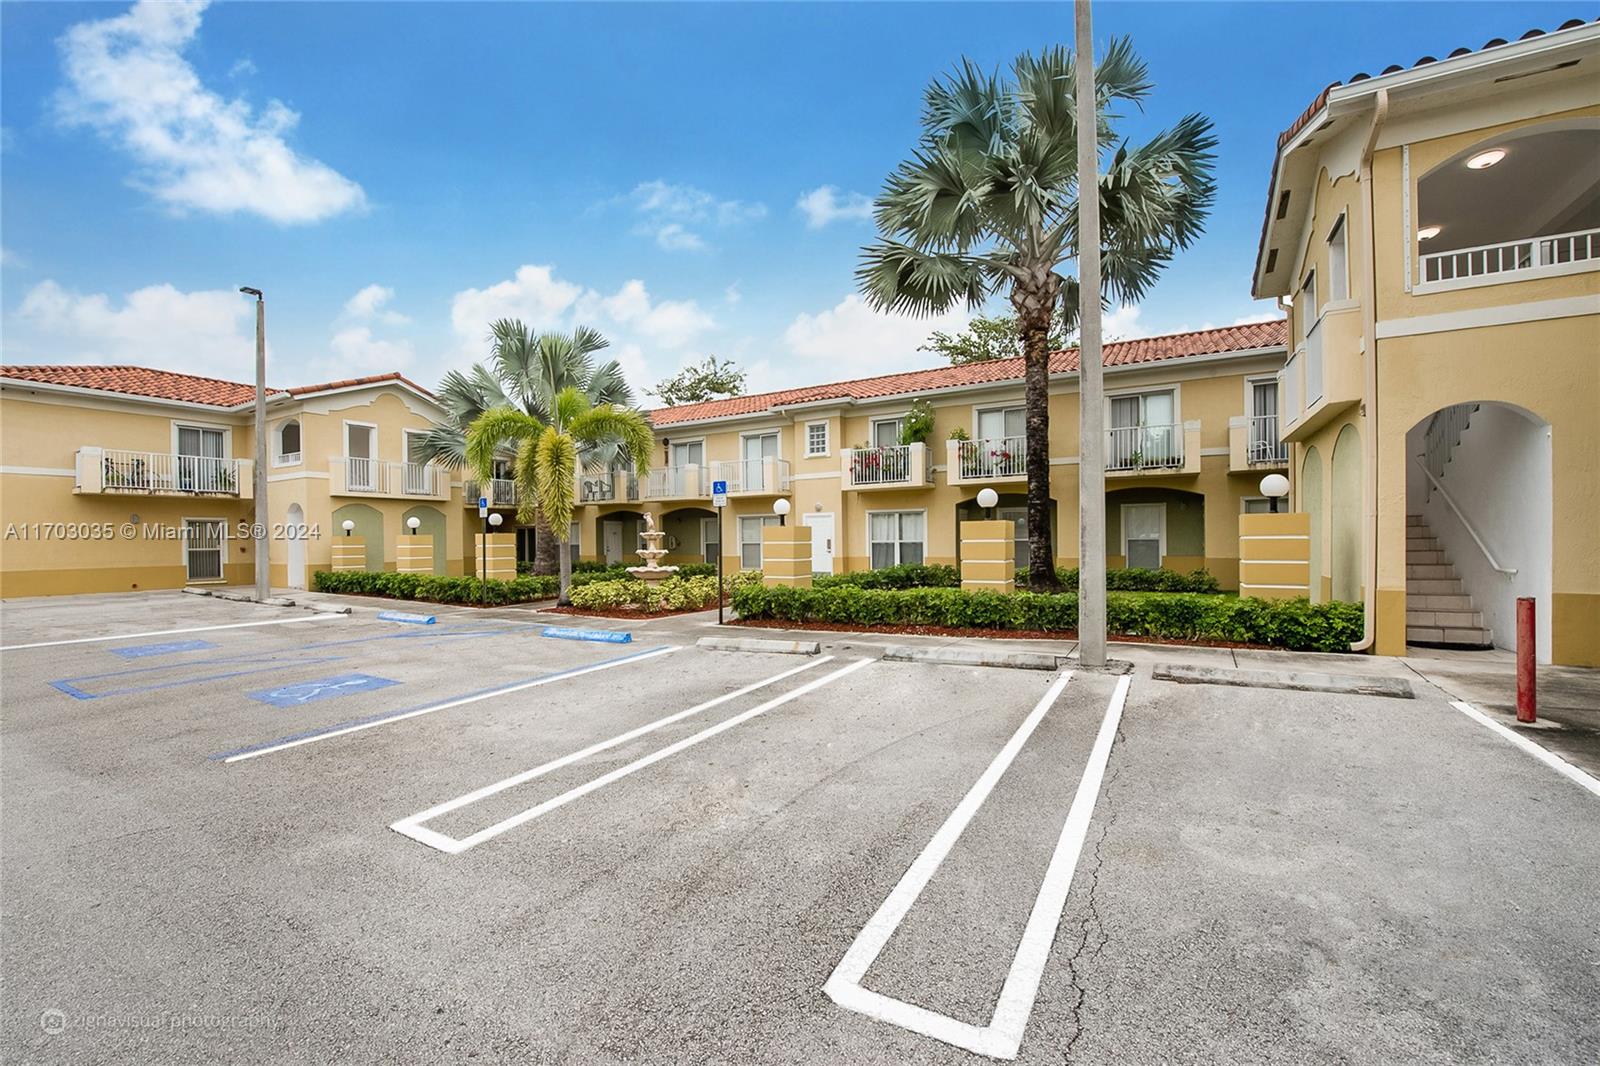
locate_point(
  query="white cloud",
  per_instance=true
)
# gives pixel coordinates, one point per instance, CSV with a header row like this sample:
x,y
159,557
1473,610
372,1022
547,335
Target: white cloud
x,y
207,332
356,352
243,67
674,214
371,303
852,340
1123,324
637,325
128,80
1264,316
732,295
826,204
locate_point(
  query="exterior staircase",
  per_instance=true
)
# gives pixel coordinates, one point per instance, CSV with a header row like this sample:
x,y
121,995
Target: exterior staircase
x,y
1438,610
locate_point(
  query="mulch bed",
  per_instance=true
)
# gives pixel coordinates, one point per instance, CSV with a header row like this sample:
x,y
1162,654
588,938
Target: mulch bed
x,y
991,634
621,612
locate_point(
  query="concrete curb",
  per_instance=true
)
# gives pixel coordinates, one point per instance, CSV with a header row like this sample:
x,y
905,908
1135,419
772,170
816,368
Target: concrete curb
x,y
1296,681
327,608
1001,657
767,647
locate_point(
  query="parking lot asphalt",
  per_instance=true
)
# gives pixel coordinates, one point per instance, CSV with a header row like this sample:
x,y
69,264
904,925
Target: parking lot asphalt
x,y
331,837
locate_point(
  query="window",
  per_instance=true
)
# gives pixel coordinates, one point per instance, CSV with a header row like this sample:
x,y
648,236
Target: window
x,y
1018,517
1264,446
418,474
1256,505
711,538
896,537
1305,304
692,453
816,438
1144,528
761,446
1144,431
289,442
1338,275
201,463
750,540
202,545
1000,446
886,432
360,460
573,533
996,423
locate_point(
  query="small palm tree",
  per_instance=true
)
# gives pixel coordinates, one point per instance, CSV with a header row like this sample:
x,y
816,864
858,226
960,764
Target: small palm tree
x,y
526,371
988,204
548,453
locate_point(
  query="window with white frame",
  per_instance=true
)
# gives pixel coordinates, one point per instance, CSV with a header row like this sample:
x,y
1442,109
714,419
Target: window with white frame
x,y
886,432
1338,276
816,438
288,438
202,464
1255,505
1144,431
750,540
896,537
1305,304
1265,446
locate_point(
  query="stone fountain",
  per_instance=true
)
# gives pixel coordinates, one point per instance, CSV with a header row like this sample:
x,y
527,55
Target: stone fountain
x,y
652,553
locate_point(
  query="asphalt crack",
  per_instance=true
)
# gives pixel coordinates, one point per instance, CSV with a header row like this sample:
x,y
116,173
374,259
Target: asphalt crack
x,y
1092,934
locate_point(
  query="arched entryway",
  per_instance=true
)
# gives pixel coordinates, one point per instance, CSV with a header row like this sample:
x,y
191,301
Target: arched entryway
x,y
1013,508
692,535
294,533
1479,525
430,523
1344,527
1156,527
368,526
1311,502
617,537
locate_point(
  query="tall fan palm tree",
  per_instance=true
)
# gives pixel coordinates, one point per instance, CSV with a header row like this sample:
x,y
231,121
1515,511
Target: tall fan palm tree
x,y
987,204
548,451
526,372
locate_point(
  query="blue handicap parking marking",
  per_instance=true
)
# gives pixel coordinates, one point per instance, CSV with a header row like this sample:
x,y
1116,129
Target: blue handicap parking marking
x,y
302,692
599,636
140,651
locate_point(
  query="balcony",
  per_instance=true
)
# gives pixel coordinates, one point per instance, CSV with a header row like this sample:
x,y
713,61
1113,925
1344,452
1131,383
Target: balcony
x,y
350,475
1152,451
1254,443
892,466
115,471
1323,378
753,477
502,492
986,460
676,483
1531,257
616,486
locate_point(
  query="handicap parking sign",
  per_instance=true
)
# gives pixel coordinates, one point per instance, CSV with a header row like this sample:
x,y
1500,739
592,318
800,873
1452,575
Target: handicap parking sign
x,y
719,494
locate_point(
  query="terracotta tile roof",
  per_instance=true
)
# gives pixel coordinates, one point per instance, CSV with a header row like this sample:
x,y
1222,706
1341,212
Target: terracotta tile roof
x,y
140,381
1117,353
373,379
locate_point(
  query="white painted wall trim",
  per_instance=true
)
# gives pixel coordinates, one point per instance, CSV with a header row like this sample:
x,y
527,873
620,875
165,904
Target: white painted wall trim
x,y
40,471
1500,315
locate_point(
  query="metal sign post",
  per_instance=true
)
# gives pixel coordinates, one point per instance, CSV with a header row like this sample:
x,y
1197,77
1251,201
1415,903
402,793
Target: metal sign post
x,y
483,550
719,500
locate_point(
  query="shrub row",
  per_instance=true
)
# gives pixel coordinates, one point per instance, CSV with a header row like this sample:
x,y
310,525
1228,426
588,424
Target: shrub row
x,y
434,588
1294,624
904,576
692,593
1137,579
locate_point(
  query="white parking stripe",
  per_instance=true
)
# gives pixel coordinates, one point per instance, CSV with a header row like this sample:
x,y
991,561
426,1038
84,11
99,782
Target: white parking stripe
x,y
412,827
1002,1037
1544,755
166,632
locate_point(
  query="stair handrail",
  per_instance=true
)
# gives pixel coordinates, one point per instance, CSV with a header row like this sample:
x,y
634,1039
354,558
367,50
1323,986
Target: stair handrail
x,y
1487,554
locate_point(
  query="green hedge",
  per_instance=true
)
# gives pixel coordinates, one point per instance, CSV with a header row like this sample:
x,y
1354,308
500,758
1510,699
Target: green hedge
x,y
433,588
904,576
693,593
1294,624
592,572
1137,579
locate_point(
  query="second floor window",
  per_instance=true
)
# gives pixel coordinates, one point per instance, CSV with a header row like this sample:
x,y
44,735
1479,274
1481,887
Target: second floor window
x,y
997,423
1144,431
1338,264
761,446
817,438
289,441
691,454
886,432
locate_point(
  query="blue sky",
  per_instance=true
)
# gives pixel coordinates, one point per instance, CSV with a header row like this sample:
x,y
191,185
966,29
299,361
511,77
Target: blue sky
x,y
687,178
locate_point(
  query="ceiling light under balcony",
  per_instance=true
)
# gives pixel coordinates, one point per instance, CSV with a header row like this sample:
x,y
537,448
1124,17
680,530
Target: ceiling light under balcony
x,y
1427,233
1485,160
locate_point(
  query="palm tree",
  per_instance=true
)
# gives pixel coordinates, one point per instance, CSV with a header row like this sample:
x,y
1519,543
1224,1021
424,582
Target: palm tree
x,y
549,450
526,371
988,204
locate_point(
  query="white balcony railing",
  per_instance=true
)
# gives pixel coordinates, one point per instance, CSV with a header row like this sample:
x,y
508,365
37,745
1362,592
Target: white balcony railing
x,y
753,476
1144,447
991,457
1508,257
1313,365
375,477
156,472
674,483
502,492
1290,406
888,464
1264,445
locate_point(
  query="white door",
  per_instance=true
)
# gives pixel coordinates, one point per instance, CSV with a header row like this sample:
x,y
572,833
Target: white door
x,y
611,535
294,535
359,465
1142,533
203,543
821,542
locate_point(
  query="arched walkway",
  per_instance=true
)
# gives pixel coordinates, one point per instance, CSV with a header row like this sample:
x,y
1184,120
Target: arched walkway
x,y
616,535
1344,531
1013,507
431,523
1156,527
294,520
1480,529
368,525
1311,502
691,535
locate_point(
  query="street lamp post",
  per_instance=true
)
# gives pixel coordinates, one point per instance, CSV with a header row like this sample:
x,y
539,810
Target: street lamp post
x,y
1274,487
412,523
988,499
260,525
781,509
1091,386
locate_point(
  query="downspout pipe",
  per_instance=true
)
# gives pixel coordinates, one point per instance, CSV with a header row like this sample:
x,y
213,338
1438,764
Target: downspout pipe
x,y
1369,386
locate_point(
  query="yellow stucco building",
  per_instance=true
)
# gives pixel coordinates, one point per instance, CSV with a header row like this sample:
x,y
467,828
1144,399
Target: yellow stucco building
x,y
1434,232
115,478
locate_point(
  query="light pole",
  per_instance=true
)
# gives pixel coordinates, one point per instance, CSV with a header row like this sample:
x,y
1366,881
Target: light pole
x,y
781,509
262,511
1091,387
412,523
988,499
1274,487
348,526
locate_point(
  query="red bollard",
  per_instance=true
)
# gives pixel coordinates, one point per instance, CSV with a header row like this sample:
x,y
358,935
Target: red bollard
x,y
1527,702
